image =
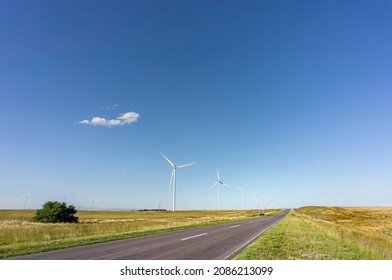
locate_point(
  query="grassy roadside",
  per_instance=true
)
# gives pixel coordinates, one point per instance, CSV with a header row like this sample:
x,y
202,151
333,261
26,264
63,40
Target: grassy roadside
x,y
20,236
322,233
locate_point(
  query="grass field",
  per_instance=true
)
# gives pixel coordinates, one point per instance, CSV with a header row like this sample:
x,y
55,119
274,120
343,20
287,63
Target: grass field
x,y
20,236
327,233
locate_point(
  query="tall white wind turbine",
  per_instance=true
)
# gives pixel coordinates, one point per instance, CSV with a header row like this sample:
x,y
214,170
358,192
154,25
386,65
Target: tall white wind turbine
x,y
218,183
173,177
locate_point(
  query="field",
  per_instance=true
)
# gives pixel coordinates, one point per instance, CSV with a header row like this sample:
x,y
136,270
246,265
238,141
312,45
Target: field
x,y
327,233
20,236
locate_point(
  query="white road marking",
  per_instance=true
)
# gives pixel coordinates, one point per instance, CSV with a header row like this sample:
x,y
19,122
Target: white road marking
x,y
193,236
234,226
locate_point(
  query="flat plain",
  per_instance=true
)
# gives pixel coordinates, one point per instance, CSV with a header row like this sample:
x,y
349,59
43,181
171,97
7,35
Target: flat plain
x,y
327,233
19,235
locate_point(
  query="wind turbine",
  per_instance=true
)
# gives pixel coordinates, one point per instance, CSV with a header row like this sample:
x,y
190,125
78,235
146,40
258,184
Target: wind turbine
x,y
173,177
26,197
254,199
242,192
269,202
262,201
219,182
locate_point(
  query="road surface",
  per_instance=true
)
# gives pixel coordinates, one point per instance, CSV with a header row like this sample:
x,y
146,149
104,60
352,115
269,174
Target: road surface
x,y
216,242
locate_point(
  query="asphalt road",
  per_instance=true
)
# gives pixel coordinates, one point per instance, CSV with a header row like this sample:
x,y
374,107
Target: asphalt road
x,y
205,243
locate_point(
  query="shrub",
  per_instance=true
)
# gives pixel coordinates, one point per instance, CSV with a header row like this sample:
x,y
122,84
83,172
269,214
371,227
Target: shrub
x,y
56,212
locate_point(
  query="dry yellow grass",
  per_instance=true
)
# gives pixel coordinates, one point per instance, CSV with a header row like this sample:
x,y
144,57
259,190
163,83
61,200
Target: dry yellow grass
x,y
376,220
369,228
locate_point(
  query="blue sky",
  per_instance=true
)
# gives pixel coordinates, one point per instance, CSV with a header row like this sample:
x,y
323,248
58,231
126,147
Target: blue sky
x,y
291,98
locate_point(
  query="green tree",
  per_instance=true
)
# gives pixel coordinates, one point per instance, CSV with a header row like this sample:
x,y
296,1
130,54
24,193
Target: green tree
x,y
56,212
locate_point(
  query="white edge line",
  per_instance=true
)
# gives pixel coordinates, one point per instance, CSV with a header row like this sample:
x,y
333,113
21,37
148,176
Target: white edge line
x,y
250,240
235,226
193,236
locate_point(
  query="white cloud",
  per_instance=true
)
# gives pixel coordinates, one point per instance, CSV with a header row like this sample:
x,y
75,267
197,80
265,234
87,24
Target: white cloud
x,y
123,119
108,108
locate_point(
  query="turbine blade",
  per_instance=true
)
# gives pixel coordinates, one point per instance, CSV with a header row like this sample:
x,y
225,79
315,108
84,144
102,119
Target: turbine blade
x,y
171,178
217,172
172,164
185,165
213,185
226,185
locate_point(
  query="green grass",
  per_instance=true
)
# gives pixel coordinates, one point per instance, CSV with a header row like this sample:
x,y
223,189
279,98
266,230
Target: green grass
x,y
19,235
322,233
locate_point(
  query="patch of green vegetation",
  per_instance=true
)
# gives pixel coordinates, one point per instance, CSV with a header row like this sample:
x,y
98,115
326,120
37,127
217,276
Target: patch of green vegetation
x,y
56,212
298,238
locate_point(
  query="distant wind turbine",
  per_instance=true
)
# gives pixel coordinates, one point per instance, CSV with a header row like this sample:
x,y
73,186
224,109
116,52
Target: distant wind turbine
x,y
242,193
173,177
254,199
269,202
262,202
26,197
218,183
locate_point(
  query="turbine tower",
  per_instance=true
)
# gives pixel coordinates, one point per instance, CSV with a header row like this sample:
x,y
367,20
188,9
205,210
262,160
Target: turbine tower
x,y
26,197
173,177
262,202
242,189
219,182
254,200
